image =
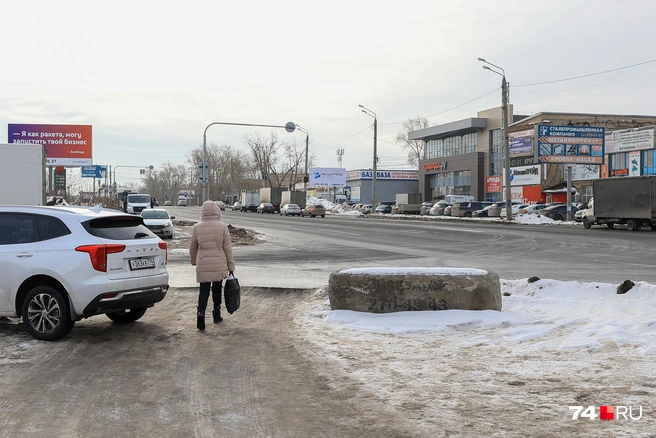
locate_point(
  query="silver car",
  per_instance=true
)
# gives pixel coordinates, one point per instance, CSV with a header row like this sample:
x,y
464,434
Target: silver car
x,y
290,210
159,222
62,264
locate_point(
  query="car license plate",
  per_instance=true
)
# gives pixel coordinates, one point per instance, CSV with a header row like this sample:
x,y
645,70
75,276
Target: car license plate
x,y
142,263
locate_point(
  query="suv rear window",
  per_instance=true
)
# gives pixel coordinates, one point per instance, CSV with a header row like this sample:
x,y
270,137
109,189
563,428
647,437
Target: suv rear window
x,y
118,228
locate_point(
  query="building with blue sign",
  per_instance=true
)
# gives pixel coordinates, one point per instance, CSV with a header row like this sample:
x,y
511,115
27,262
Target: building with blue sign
x,y
465,157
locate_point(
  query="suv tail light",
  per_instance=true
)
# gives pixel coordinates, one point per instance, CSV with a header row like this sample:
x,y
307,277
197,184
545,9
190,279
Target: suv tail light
x,y
98,254
165,247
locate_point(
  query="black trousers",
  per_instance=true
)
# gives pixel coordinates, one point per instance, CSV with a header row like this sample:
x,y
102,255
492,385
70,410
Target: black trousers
x,y
204,296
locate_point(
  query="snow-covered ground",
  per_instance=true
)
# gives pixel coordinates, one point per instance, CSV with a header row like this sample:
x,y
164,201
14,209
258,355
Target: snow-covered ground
x,y
511,373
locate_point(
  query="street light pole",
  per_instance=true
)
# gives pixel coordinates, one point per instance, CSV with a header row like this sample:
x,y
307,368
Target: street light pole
x,y
307,143
506,144
289,127
373,179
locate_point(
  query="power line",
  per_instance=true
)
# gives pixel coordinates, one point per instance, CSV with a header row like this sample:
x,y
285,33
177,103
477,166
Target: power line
x,y
585,76
450,109
353,135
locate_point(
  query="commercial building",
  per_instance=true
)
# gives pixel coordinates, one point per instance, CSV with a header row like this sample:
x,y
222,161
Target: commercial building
x,y
466,157
389,183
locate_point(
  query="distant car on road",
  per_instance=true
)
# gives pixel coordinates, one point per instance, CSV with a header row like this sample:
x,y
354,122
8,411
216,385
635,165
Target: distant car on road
x,y
182,203
168,203
158,221
221,205
313,210
265,207
236,206
290,210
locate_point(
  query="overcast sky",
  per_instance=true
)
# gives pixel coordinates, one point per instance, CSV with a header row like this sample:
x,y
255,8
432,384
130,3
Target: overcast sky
x,y
149,76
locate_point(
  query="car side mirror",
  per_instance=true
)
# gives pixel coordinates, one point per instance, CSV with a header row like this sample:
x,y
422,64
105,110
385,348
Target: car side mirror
x,y
172,217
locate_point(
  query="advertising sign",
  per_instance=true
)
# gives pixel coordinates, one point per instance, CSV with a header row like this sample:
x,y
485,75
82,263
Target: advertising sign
x,y
521,142
493,184
93,171
570,144
66,145
385,174
583,172
327,177
525,175
633,139
634,163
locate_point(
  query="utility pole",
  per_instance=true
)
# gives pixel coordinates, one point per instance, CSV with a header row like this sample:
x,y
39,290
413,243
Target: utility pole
x,y
373,179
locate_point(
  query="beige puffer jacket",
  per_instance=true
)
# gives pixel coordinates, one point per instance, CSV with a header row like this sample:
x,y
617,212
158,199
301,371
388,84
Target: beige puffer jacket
x,y
210,248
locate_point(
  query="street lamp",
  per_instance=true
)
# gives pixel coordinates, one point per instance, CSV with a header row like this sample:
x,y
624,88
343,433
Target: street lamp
x,y
506,144
307,142
373,180
289,127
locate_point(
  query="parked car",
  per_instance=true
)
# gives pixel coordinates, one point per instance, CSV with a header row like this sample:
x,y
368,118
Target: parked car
x,y
495,209
383,208
438,208
558,212
447,210
236,206
266,207
366,209
158,221
182,203
532,209
425,208
313,210
221,205
290,210
168,203
483,212
62,264
467,209
514,209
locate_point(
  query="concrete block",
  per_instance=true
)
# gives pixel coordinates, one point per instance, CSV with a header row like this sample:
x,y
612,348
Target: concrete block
x,y
384,290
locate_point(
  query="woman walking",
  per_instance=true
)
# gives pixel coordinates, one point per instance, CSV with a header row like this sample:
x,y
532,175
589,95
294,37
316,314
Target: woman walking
x,y
211,254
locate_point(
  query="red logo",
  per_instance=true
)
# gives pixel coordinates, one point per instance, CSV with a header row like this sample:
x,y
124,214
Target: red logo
x,y
606,413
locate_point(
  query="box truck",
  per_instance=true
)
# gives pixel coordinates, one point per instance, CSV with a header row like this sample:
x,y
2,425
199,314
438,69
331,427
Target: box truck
x,y
250,201
23,178
407,203
622,200
272,195
294,197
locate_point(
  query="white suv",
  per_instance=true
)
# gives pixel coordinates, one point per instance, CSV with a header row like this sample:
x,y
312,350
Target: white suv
x,y
61,264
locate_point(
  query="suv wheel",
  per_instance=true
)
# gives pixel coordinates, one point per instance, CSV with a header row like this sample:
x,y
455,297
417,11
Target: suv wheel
x,y
46,315
128,315
468,214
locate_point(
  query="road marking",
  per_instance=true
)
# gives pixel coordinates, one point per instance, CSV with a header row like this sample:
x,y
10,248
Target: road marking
x,y
345,232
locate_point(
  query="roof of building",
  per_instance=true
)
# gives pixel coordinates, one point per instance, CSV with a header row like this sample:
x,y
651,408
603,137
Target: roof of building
x,y
471,124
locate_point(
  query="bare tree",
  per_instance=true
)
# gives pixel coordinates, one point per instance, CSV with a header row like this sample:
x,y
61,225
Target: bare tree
x,y
414,148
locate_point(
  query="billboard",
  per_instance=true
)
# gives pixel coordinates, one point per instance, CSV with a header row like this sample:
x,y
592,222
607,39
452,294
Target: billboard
x,y
384,174
570,144
66,145
327,177
633,139
521,142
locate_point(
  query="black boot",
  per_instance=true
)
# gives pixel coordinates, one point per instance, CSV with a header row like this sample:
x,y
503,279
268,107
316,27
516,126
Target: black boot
x,y
200,321
216,313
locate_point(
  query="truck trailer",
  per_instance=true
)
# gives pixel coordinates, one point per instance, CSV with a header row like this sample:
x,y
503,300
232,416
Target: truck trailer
x,y
24,176
629,201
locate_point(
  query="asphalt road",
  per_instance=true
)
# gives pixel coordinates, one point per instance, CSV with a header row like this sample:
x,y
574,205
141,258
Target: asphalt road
x,y
315,247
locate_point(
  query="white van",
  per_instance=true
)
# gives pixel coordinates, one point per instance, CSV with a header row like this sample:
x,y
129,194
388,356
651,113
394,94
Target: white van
x,y
137,202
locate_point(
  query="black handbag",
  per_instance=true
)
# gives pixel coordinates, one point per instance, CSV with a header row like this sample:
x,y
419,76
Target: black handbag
x,y
232,293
